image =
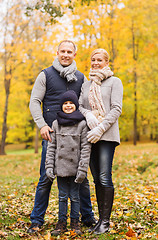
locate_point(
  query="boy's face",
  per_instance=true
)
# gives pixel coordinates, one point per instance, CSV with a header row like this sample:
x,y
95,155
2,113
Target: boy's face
x,y
68,107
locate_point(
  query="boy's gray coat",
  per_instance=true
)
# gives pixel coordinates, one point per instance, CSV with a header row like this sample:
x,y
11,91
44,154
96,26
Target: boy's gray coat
x,y
69,150
112,94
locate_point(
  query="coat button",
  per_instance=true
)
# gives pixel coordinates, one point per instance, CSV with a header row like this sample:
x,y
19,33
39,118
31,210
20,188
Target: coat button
x,y
62,146
72,149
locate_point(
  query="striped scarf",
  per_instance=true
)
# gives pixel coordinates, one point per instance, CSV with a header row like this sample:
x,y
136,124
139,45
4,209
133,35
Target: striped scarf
x,y
95,98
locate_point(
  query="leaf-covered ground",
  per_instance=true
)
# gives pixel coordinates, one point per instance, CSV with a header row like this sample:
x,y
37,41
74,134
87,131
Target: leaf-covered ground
x,y
135,209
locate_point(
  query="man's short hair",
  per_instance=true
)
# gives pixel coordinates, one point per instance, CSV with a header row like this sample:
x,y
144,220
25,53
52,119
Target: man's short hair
x,y
69,41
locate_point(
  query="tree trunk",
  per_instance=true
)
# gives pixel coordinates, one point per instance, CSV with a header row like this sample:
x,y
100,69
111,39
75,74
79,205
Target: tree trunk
x,y
113,54
135,58
4,127
156,137
135,110
36,140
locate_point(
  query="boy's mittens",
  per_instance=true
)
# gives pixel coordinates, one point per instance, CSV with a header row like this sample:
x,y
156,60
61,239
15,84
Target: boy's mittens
x,y
80,177
49,173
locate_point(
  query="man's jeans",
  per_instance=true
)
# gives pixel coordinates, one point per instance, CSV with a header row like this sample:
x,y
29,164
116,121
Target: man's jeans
x,y
68,189
43,191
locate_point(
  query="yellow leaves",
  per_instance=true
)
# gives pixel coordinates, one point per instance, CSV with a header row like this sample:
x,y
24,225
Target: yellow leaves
x,y
119,213
113,231
48,236
151,212
156,205
8,76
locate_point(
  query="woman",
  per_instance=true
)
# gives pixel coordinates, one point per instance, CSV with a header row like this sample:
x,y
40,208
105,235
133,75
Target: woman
x,y
101,104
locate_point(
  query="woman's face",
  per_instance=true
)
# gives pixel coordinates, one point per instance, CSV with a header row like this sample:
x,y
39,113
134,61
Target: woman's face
x,y
98,61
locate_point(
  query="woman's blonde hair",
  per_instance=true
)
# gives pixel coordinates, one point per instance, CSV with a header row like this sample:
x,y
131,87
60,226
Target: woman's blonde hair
x,y
103,51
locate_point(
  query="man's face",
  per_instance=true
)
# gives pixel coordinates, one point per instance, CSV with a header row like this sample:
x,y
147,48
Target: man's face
x,y
66,54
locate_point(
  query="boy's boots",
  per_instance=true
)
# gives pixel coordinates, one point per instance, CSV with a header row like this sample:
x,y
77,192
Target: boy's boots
x,y
60,228
74,224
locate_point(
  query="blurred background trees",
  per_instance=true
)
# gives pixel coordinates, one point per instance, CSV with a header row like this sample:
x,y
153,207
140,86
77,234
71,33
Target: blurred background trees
x,y
30,34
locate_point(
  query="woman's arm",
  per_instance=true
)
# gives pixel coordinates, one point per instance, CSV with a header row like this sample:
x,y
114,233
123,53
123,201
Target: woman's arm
x,y
116,104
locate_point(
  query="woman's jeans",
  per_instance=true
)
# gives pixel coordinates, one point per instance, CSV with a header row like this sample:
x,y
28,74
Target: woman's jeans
x,y
102,154
43,191
68,189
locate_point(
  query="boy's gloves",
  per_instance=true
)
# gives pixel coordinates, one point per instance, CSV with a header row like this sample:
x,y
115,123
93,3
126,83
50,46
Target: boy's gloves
x,y
49,173
95,134
91,120
80,177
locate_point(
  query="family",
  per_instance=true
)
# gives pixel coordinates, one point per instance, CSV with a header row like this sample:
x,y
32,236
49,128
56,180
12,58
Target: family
x,y
79,128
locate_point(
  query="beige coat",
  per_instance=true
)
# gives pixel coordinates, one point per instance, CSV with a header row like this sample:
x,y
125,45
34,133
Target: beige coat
x,y
112,94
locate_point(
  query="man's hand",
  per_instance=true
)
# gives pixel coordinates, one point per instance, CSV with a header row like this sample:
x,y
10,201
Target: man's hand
x,y
44,131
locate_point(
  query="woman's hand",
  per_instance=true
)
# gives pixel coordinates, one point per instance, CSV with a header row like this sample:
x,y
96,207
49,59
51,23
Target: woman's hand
x,y
91,120
95,134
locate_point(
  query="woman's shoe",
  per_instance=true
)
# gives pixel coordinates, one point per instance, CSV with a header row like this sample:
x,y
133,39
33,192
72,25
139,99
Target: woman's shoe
x,y
92,229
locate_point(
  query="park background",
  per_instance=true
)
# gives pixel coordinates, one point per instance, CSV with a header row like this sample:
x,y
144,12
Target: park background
x,y
29,36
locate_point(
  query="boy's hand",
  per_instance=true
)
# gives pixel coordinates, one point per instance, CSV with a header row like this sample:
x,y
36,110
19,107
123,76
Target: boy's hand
x,y
49,173
80,177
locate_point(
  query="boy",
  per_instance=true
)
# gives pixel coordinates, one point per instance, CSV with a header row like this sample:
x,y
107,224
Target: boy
x,y
68,156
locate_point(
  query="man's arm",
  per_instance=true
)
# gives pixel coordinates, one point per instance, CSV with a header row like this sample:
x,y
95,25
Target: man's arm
x,y
37,95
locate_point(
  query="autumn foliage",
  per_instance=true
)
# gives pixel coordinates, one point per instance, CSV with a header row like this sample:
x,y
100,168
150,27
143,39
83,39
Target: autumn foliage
x,y
135,209
126,29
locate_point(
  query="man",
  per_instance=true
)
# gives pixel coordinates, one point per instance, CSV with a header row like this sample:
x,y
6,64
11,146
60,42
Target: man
x,y
50,84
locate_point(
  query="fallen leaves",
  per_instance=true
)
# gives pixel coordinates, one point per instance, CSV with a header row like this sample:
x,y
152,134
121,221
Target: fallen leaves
x,y
135,210
131,233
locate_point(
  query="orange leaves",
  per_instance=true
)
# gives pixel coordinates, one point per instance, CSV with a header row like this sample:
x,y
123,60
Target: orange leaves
x,y
131,234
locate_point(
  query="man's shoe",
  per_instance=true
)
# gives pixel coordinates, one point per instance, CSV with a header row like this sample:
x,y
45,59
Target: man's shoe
x,y
35,227
60,228
74,224
90,223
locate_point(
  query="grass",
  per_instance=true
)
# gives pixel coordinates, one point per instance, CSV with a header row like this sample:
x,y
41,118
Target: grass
x,y
135,209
